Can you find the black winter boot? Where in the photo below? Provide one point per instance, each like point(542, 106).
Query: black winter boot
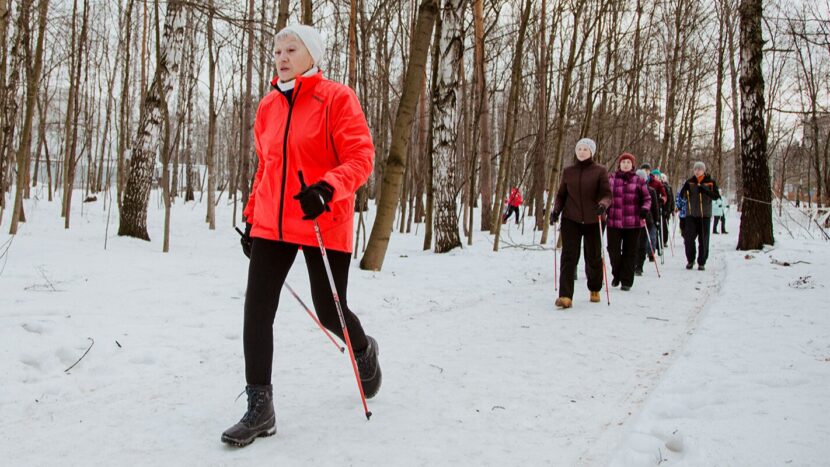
point(258, 421)
point(369, 368)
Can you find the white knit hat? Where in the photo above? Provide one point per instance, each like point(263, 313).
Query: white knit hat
point(311, 39)
point(589, 143)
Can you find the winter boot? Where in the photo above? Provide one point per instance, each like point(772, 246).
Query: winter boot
point(701, 267)
point(563, 302)
point(625, 288)
point(369, 368)
point(615, 282)
point(689, 265)
point(594, 297)
point(258, 421)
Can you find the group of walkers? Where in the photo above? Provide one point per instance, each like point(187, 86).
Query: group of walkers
point(315, 150)
point(635, 208)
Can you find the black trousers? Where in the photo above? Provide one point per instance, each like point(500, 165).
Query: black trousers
point(622, 251)
point(696, 230)
point(722, 220)
point(511, 210)
point(269, 266)
point(573, 234)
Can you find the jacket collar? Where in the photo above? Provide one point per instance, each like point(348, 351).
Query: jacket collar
point(306, 82)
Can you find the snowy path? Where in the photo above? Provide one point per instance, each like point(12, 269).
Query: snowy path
point(750, 388)
point(479, 367)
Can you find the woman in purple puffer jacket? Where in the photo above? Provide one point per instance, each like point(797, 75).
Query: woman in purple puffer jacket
point(626, 218)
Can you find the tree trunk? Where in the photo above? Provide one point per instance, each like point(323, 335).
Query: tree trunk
point(307, 12)
point(756, 216)
point(32, 80)
point(509, 128)
point(133, 217)
point(70, 159)
point(444, 126)
point(396, 162)
point(540, 149)
point(482, 119)
point(561, 117)
point(210, 157)
point(736, 116)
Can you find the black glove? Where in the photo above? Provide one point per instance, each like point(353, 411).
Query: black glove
point(314, 199)
point(601, 209)
point(246, 240)
point(643, 213)
point(554, 218)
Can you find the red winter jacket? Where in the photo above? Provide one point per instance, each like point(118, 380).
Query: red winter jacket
point(324, 134)
point(515, 198)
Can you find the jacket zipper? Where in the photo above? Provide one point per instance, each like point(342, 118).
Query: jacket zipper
point(285, 154)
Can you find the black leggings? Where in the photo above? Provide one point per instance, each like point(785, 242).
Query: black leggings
point(270, 263)
point(511, 210)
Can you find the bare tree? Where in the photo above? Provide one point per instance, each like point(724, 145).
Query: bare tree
point(397, 160)
point(133, 221)
point(756, 216)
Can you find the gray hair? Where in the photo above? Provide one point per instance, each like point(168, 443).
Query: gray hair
point(699, 165)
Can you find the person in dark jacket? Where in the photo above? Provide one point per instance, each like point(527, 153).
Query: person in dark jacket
point(582, 198)
point(699, 191)
point(668, 205)
point(648, 241)
point(307, 129)
point(626, 218)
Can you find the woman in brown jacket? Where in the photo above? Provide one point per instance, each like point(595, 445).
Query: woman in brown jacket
point(583, 197)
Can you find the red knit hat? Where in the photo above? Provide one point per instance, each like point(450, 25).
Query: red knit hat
point(629, 156)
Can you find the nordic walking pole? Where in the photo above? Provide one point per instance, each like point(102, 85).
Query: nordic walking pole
point(319, 324)
point(651, 248)
point(555, 268)
point(673, 230)
point(660, 240)
point(338, 306)
point(307, 310)
point(671, 237)
point(602, 256)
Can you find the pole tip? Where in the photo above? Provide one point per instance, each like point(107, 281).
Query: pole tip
point(368, 415)
point(342, 350)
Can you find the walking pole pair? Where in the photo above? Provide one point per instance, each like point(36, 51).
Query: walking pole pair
point(338, 306)
point(602, 255)
point(651, 248)
point(307, 310)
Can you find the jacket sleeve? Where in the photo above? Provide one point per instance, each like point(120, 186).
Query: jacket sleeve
point(352, 144)
point(645, 197)
point(604, 190)
point(714, 192)
point(248, 212)
point(561, 195)
point(683, 191)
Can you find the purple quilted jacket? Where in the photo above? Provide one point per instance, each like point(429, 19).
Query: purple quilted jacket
point(630, 194)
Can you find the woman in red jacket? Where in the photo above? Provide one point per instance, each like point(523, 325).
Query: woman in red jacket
point(312, 128)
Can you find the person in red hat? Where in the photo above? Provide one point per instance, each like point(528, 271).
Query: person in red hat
point(626, 219)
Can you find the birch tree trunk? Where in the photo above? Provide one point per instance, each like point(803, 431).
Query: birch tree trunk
point(444, 126)
point(133, 217)
point(393, 176)
point(756, 215)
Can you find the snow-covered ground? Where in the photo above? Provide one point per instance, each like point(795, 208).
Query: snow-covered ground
point(724, 367)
